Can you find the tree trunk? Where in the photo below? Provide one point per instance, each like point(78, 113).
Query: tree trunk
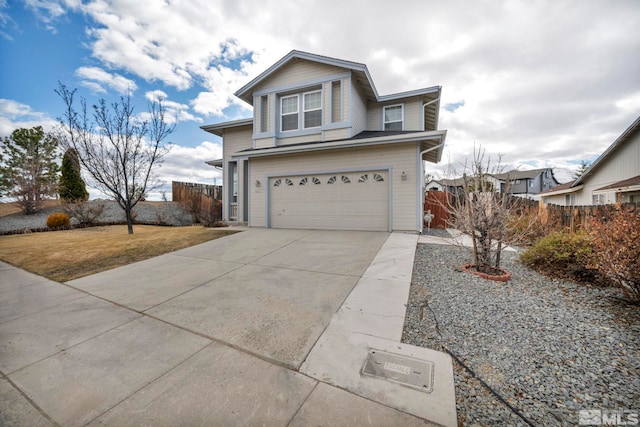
point(127, 211)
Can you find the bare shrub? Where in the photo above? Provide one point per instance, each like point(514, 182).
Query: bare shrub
point(616, 246)
point(84, 211)
point(488, 217)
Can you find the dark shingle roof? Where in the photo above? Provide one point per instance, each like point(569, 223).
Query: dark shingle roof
point(624, 183)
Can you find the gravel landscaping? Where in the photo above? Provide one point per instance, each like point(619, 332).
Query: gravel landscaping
point(548, 348)
point(160, 213)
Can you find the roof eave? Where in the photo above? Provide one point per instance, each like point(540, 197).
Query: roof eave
point(412, 137)
point(624, 189)
point(560, 192)
point(218, 128)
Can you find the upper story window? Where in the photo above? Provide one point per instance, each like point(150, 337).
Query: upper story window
point(312, 109)
point(289, 112)
point(310, 103)
point(393, 117)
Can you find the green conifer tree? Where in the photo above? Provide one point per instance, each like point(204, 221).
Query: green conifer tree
point(72, 187)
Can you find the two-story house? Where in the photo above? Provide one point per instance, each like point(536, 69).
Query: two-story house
point(325, 151)
point(527, 183)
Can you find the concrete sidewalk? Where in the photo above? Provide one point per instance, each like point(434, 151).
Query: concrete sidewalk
point(268, 327)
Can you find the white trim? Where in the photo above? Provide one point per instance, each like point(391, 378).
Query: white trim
point(349, 143)
point(384, 122)
point(419, 184)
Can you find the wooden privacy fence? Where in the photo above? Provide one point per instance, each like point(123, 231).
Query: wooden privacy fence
point(180, 191)
point(437, 202)
point(203, 201)
point(577, 217)
point(570, 217)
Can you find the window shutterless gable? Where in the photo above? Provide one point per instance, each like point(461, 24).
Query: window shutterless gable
point(289, 113)
point(393, 117)
point(312, 109)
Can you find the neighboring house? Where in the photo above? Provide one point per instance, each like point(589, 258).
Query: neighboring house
point(613, 177)
point(435, 185)
point(527, 183)
point(522, 183)
point(325, 151)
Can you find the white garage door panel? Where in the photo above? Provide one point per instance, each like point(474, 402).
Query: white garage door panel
point(340, 201)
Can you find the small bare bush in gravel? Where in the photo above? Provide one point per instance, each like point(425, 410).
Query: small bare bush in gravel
point(84, 211)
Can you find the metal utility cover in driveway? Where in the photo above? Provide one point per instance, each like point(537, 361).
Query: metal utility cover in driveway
point(414, 373)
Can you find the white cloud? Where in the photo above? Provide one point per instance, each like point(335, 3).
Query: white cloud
point(47, 11)
point(175, 111)
point(539, 80)
point(96, 79)
point(187, 164)
point(15, 115)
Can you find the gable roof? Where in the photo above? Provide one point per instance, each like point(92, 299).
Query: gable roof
point(361, 75)
point(560, 189)
point(517, 174)
point(621, 140)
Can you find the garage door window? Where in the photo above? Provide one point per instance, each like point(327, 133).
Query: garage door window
point(377, 177)
point(304, 181)
point(346, 180)
point(364, 178)
point(288, 181)
point(331, 180)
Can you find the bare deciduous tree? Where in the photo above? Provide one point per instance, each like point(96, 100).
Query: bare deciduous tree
point(487, 216)
point(118, 149)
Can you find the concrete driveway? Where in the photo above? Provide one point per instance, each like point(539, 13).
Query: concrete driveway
point(215, 334)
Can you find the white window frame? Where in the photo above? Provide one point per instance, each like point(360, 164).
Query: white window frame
point(297, 112)
point(384, 122)
point(304, 124)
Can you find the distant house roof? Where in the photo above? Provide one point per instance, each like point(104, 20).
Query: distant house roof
point(560, 189)
point(518, 174)
point(624, 137)
point(456, 182)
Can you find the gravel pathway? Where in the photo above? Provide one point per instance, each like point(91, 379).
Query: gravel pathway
point(164, 213)
point(547, 347)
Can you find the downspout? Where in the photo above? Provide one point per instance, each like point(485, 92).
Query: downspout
point(422, 188)
point(423, 110)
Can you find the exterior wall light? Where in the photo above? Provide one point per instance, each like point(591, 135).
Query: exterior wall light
point(257, 183)
point(403, 176)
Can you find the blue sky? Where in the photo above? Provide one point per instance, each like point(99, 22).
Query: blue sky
point(545, 83)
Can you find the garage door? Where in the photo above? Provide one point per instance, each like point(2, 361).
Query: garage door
point(339, 201)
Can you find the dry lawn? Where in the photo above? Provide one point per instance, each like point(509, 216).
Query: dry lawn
point(70, 254)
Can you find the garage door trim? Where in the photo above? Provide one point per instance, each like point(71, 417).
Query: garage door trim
point(388, 169)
